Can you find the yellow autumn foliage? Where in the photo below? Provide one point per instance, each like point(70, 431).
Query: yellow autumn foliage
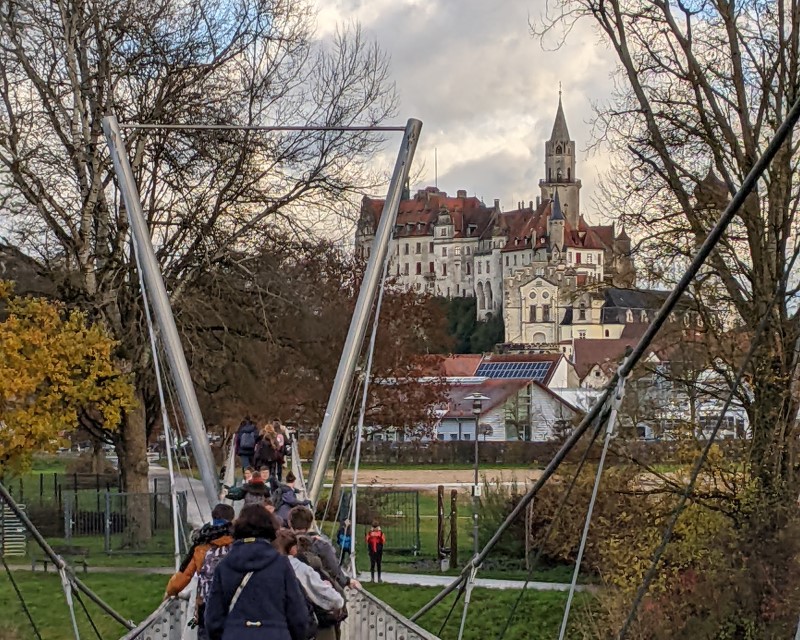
point(53, 364)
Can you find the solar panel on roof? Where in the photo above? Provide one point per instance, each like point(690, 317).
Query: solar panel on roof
point(514, 370)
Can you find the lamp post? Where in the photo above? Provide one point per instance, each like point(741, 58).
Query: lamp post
point(477, 406)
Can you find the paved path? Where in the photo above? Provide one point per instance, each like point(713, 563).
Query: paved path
point(427, 580)
point(195, 494)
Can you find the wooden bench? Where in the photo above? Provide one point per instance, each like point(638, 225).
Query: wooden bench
point(76, 556)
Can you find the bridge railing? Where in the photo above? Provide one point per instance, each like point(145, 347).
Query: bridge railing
point(371, 619)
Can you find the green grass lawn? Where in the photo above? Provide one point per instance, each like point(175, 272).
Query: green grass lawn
point(133, 596)
point(538, 616)
point(136, 596)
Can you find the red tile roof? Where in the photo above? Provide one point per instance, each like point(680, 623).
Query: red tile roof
point(587, 353)
point(498, 391)
point(452, 366)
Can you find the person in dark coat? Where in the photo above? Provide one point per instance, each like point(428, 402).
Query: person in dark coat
point(285, 497)
point(245, 442)
point(271, 605)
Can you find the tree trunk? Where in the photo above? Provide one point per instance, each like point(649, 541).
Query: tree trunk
point(133, 466)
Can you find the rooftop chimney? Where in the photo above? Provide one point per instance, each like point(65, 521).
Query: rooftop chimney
point(461, 193)
point(530, 204)
point(497, 204)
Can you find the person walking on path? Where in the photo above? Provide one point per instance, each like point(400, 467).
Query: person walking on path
point(325, 601)
point(254, 492)
point(300, 521)
point(344, 538)
point(375, 542)
point(245, 442)
point(266, 453)
point(213, 535)
point(284, 497)
point(255, 594)
point(282, 446)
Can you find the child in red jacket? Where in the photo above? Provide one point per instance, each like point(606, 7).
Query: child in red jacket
point(375, 542)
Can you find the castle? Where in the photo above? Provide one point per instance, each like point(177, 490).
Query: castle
point(554, 277)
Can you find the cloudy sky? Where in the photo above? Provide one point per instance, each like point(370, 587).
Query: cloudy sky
point(485, 89)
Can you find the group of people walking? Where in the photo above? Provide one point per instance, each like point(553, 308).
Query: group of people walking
point(267, 446)
point(258, 579)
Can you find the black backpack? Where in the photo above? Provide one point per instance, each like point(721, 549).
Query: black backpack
point(325, 619)
point(247, 441)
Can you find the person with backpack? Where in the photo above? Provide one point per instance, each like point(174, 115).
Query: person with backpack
point(300, 520)
point(254, 492)
point(284, 497)
point(266, 453)
point(205, 575)
point(254, 592)
point(325, 602)
point(245, 442)
point(344, 538)
point(212, 535)
point(283, 446)
point(375, 542)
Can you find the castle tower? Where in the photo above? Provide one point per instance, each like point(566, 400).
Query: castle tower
point(559, 167)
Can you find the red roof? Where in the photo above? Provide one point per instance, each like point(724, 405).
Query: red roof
point(587, 353)
point(422, 211)
point(452, 366)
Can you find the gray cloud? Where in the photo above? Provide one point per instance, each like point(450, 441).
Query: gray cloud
point(485, 90)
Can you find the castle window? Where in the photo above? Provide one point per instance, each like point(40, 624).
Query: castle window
point(569, 176)
point(405, 249)
point(480, 264)
point(545, 313)
point(457, 251)
point(469, 250)
point(488, 266)
point(419, 268)
point(405, 269)
point(506, 260)
point(444, 273)
point(443, 233)
point(419, 248)
point(469, 268)
point(532, 313)
point(444, 252)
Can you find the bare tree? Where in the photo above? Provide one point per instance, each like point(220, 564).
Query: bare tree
point(700, 88)
point(65, 64)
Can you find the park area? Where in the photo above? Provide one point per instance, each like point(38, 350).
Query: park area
point(83, 518)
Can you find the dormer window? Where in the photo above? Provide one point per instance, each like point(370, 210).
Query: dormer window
point(471, 229)
point(629, 316)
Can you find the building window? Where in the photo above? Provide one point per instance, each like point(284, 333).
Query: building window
point(430, 247)
point(431, 268)
point(581, 335)
point(582, 312)
point(398, 268)
point(444, 252)
point(419, 248)
point(545, 313)
point(405, 249)
point(607, 333)
point(458, 289)
point(448, 292)
point(589, 258)
point(577, 257)
point(515, 261)
point(443, 233)
point(405, 269)
point(465, 436)
point(479, 267)
point(454, 436)
point(444, 273)
point(600, 259)
point(469, 268)
point(419, 268)
point(469, 251)
point(488, 266)
point(532, 313)
point(506, 260)
point(397, 250)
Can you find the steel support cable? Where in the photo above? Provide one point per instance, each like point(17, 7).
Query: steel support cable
point(57, 560)
point(661, 317)
point(22, 602)
point(452, 608)
point(610, 426)
point(88, 615)
point(362, 412)
point(67, 588)
point(164, 417)
point(690, 486)
point(551, 525)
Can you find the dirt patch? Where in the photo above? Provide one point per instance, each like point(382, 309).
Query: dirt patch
point(434, 477)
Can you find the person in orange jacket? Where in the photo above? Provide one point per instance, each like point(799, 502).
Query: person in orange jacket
point(216, 534)
point(375, 542)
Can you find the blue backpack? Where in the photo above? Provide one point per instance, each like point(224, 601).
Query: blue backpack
point(247, 441)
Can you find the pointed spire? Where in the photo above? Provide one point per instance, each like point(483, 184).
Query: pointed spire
point(555, 211)
point(560, 131)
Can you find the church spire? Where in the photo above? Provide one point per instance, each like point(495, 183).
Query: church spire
point(560, 130)
point(556, 213)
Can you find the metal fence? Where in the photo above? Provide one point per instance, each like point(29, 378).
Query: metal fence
point(127, 522)
point(397, 511)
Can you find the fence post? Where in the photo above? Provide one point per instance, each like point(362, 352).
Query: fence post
point(418, 541)
point(107, 540)
point(453, 528)
point(439, 522)
point(68, 521)
point(75, 483)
